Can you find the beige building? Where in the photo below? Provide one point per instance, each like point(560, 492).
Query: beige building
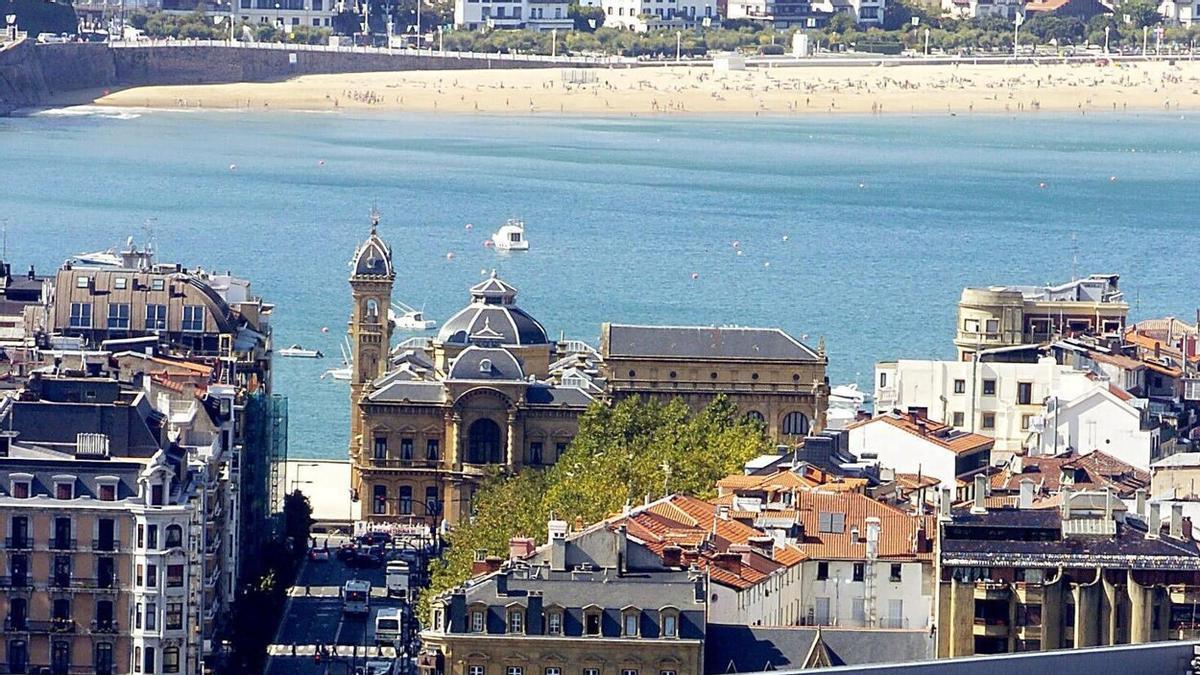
point(1006, 316)
point(768, 374)
point(429, 422)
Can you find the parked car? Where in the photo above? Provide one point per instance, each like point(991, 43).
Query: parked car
point(375, 538)
point(318, 554)
point(346, 551)
point(365, 558)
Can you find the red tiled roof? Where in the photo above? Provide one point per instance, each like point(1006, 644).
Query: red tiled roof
point(943, 435)
point(1094, 471)
point(897, 533)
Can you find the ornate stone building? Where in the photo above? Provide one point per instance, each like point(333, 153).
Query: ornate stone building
point(428, 422)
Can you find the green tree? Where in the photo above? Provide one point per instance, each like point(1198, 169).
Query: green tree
point(297, 519)
point(1141, 13)
point(586, 18)
point(621, 454)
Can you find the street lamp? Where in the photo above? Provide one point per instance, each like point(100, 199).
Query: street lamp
point(1106, 30)
point(678, 44)
point(297, 482)
point(278, 18)
point(1017, 21)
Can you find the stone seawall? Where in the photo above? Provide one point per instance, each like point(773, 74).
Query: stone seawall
point(31, 73)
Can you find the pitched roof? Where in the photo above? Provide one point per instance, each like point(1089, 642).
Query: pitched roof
point(937, 433)
point(897, 529)
point(786, 480)
point(730, 648)
point(1095, 470)
point(703, 342)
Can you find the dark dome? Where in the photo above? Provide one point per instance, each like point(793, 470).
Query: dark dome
point(486, 363)
point(493, 315)
point(373, 258)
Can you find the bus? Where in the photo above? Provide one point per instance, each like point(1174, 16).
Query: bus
point(397, 579)
point(356, 597)
point(388, 625)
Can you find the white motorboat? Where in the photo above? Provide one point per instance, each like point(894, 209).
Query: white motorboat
point(107, 258)
point(298, 352)
point(343, 371)
point(511, 236)
point(408, 319)
point(846, 402)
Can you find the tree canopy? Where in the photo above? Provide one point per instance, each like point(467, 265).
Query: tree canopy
point(623, 453)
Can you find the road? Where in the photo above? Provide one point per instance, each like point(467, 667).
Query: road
point(313, 618)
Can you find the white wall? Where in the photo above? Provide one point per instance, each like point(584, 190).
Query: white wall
point(775, 601)
point(914, 591)
point(1097, 420)
point(903, 451)
point(931, 385)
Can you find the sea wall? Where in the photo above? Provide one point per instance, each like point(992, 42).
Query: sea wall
point(31, 73)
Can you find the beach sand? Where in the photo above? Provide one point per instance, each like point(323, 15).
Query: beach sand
point(682, 90)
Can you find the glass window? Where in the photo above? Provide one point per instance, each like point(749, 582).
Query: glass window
point(591, 622)
point(822, 571)
point(118, 315)
point(1024, 393)
point(171, 660)
point(60, 656)
point(477, 621)
point(152, 537)
point(379, 501)
point(794, 424)
point(859, 571)
point(157, 284)
point(174, 576)
point(631, 623)
point(193, 319)
point(81, 315)
point(895, 575)
point(174, 615)
point(552, 670)
point(406, 502)
point(960, 386)
point(174, 536)
point(989, 421)
point(670, 626)
point(104, 658)
point(989, 387)
point(959, 419)
point(108, 493)
point(971, 325)
point(554, 623)
point(20, 489)
point(431, 449)
point(120, 283)
point(151, 618)
point(137, 652)
point(629, 671)
point(64, 490)
point(148, 662)
point(82, 282)
point(475, 670)
point(156, 497)
point(432, 507)
point(535, 452)
point(381, 447)
point(514, 670)
point(516, 622)
point(406, 449)
point(156, 317)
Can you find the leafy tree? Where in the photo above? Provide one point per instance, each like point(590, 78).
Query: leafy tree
point(297, 519)
point(586, 18)
point(840, 23)
point(624, 453)
point(1141, 13)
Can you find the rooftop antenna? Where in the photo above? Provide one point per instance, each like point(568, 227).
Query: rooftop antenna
point(374, 217)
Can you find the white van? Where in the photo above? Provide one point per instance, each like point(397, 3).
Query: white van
point(388, 625)
point(397, 579)
point(356, 597)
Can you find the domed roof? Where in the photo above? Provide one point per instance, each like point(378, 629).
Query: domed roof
point(373, 258)
point(486, 363)
point(493, 318)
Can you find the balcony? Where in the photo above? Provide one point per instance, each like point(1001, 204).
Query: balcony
point(18, 543)
point(63, 544)
point(991, 590)
point(73, 583)
point(985, 627)
point(1029, 632)
point(1028, 593)
point(1184, 595)
point(22, 581)
point(53, 626)
point(105, 627)
point(106, 545)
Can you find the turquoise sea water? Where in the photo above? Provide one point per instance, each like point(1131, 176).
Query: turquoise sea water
point(886, 218)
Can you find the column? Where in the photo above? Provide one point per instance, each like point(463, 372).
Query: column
point(1052, 613)
point(1139, 611)
point(509, 441)
point(453, 440)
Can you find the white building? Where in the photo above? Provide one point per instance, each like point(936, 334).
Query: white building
point(1100, 416)
point(864, 12)
point(643, 15)
point(1182, 12)
point(997, 399)
point(533, 14)
point(911, 444)
point(971, 9)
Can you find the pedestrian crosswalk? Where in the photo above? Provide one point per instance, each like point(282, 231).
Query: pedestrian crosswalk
point(352, 651)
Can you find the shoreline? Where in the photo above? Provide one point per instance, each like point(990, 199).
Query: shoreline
point(674, 91)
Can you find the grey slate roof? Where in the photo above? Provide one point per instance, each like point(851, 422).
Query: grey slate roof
point(399, 391)
point(44, 467)
point(747, 649)
point(486, 363)
point(132, 429)
point(510, 322)
point(544, 394)
point(703, 342)
point(650, 591)
point(373, 258)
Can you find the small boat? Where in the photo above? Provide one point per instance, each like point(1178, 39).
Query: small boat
point(342, 373)
point(408, 319)
point(108, 258)
point(298, 352)
point(511, 236)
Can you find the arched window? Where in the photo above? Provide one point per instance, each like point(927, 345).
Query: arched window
point(794, 424)
point(372, 308)
point(174, 536)
point(171, 660)
point(755, 416)
point(485, 366)
point(483, 442)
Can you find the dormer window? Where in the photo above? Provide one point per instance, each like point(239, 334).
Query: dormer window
point(21, 486)
point(629, 622)
point(516, 621)
point(591, 621)
point(106, 489)
point(156, 495)
point(81, 282)
point(485, 366)
point(477, 621)
point(669, 620)
point(157, 284)
point(554, 622)
point(120, 283)
point(64, 489)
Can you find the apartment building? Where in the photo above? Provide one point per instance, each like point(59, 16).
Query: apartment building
point(910, 443)
point(596, 603)
point(1087, 573)
point(542, 15)
point(769, 375)
point(1006, 316)
point(119, 530)
point(997, 399)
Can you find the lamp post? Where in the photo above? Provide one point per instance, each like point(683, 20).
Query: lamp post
point(278, 18)
point(1017, 21)
point(297, 481)
point(926, 41)
point(678, 45)
point(553, 42)
point(1107, 29)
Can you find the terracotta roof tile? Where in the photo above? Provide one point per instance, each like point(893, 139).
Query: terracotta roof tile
point(943, 435)
point(898, 529)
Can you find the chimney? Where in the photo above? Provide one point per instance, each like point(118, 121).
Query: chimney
point(1154, 524)
point(872, 537)
point(1177, 521)
point(1157, 350)
point(763, 545)
point(558, 545)
point(1140, 502)
point(723, 512)
point(1187, 529)
point(621, 544)
point(944, 504)
point(1108, 503)
point(672, 555)
point(520, 548)
point(1025, 501)
point(32, 275)
point(1066, 493)
point(980, 506)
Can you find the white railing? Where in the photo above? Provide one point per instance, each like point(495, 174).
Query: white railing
point(383, 51)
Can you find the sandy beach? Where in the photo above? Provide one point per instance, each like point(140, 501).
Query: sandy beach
point(676, 90)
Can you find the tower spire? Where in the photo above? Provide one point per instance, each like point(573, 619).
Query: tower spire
point(374, 218)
